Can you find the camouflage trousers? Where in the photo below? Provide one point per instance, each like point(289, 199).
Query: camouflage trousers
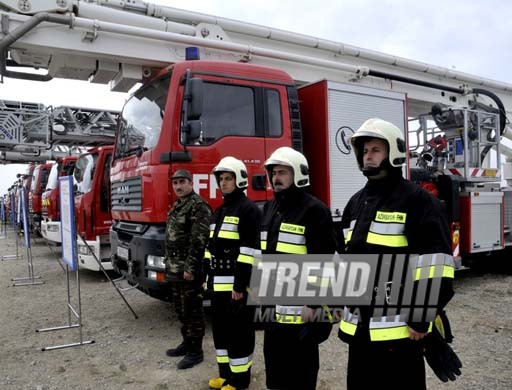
point(188, 303)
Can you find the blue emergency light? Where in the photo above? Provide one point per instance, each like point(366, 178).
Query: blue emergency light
point(192, 53)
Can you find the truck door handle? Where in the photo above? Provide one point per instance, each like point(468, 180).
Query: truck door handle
point(259, 181)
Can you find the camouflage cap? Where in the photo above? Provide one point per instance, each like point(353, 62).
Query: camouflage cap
point(182, 173)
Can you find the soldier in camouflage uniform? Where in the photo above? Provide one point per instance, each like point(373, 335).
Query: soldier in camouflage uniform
point(186, 238)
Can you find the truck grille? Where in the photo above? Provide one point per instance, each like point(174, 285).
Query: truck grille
point(127, 195)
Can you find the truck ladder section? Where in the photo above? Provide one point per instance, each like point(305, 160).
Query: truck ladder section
point(459, 142)
point(34, 132)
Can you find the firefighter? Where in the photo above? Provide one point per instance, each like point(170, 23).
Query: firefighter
point(233, 244)
point(391, 215)
point(294, 222)
point(185, 242)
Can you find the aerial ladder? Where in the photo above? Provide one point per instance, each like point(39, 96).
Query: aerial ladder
point(88, 40)
point(33, 132)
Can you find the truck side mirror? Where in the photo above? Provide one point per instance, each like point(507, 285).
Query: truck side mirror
point(194, 129)
point(194, 98)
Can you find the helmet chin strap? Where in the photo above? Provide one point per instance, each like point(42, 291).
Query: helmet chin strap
point(374, 171)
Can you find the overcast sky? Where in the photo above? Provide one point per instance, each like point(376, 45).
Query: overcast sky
point(470, 36)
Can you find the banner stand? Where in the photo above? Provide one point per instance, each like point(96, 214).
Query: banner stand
point(71, 311)
point(3, 220)
point(17, 255)
point(69, 257)
point(15, 229)
point(118, 289)
point(31, 278)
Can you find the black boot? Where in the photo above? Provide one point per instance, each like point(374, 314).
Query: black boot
point(194, 354)
point(180, 350)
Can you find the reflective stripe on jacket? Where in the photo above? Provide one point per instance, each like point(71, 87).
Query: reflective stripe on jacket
point(295, 222)
point(234, 243)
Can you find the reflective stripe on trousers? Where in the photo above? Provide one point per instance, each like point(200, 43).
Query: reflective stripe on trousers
point(222, 355)
point(239, 365)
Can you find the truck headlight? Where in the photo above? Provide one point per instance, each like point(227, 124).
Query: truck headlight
point(83, 250)
point(156, 261)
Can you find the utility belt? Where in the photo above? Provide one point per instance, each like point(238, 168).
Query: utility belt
point(217, 263)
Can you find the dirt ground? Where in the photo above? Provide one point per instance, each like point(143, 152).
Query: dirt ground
point(129, 353)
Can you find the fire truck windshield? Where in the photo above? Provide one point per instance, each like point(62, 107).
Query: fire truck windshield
point(142, 117)
point(53, 178)
point(84, 171)
point(33, 185)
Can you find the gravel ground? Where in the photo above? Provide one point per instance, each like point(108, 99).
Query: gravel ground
point(129, 353)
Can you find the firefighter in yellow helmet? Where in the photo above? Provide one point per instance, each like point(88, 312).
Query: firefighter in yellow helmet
point(391, 215)
point(233, 244)
point(294, 222)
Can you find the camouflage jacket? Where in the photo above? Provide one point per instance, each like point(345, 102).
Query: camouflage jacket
point(187, 235)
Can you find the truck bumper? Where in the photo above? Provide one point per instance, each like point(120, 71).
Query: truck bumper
point(50, 230)
point(101, 248)
point(131, 244)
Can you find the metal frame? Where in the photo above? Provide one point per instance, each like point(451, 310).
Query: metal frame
point(31, 278)
point(71, 310)
point(113, 282)
point(16, 232)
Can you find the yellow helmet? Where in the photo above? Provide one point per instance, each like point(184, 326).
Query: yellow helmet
point(378, 128)
point(231, 164)
point(291, 158)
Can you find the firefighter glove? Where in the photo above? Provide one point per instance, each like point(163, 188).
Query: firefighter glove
point(441, 358)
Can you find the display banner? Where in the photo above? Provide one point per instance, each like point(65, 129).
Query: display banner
point(67, 221)
point(24, 212)
point(13, 211)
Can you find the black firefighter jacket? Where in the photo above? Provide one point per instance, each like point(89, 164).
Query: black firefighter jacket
point(234, 242)
point(395, 216)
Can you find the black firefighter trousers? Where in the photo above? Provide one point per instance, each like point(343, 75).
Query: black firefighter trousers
point(291, 361)
point(386, 365)
point(233, 337)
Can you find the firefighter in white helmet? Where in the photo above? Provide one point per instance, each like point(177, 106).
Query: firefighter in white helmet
point(233, 244)
point(391, 215)
point(294, 222)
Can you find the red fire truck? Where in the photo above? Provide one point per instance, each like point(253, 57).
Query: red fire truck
point(38, 185)
point(50, 224)
point(92, 207)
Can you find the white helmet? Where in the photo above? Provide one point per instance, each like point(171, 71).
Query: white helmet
point(291, 158)
point(231, 164)
point(378, 128)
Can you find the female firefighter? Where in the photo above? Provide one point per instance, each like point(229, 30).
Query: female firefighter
point(234, 241)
